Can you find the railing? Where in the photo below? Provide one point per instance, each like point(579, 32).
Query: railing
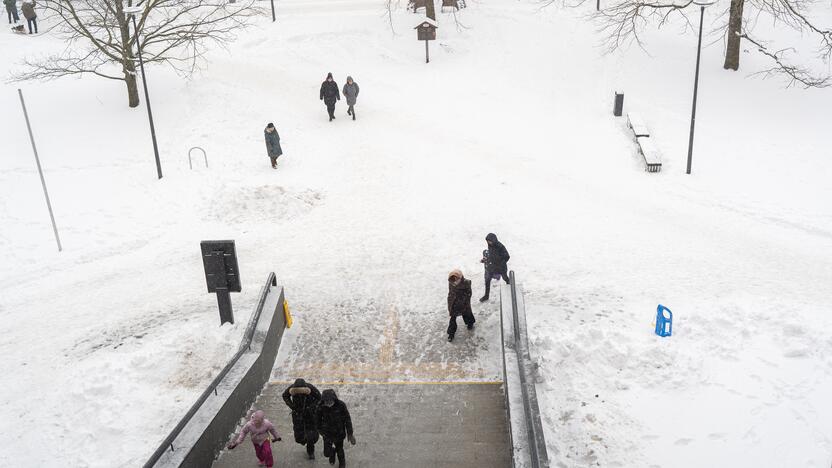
point(212, 388)
point(204, 155)
point(537, 453)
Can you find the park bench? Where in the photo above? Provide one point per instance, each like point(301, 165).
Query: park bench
point(636, 123)
point(651, 154)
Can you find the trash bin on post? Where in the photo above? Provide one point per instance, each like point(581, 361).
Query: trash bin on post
point(618, 107)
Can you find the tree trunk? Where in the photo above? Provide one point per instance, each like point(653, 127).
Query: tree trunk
point(128, 65)
point(732, 53)
point(430, 10)
point(132, 87)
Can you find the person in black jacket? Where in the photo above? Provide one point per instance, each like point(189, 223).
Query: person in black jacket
point(496, 263)
point(330, 94)
point(334, 424)
point(303, 398)
point(459, 302)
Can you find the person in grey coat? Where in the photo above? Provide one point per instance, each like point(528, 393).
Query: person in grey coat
point(11, 9)
point(351, 93)
point(273, 144)
point(28, 9)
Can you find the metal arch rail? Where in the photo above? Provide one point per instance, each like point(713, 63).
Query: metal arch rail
point(537, 443)
point(245, 345)
point(204, 155)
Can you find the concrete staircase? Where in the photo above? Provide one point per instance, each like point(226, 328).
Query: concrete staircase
point(399, 425)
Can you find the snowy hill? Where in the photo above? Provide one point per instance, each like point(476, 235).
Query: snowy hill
point(507, 130)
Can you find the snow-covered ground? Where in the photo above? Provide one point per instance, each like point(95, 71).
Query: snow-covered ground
point(508, 129)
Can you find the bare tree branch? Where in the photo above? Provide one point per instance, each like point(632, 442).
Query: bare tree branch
point(794, 74)
point(101, 40)
point(622, 24)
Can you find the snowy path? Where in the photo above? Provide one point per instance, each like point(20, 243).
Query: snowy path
point(507, 130)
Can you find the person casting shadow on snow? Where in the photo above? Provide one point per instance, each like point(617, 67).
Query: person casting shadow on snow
point(330, 94)
point(496, 262)
point(273, 144)
point(303, 398)
point(11, 9)
point(459, 302)
point(351, 94)
point(334, 424)
point(259, 427)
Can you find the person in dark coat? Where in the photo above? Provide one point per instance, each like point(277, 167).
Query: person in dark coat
point(11, 9)
point(351, 94)
point(334, 423)
point(330, 94)
point(303, 398)
point(459, 302)
point(496, 263)
point(28, 9)
point(273, 144)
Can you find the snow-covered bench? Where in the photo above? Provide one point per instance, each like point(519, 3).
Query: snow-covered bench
point(649, 151)
point(636, 123)
point(651, 154)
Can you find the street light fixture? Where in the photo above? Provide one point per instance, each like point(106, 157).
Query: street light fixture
point(132, 11)
point(702, 6)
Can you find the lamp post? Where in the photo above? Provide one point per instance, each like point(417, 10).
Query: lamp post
point(702, 6)
point(132, 11)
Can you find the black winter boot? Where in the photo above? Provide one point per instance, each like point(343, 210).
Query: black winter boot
point(484, 298)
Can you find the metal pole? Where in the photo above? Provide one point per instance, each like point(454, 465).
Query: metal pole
point(147, 101)
point(274, 18)
point(224, 303)
point(427, 53)
point(597, 5)
point(40, 171)
point(695, 88)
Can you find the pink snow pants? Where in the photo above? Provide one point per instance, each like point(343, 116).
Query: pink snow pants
point(264, 453)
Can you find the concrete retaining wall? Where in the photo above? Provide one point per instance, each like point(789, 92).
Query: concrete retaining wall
point(208, 431)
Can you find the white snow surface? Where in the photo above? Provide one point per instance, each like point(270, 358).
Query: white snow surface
point(509, 130)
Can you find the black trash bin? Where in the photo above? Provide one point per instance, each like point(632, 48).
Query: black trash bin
point(618, 107)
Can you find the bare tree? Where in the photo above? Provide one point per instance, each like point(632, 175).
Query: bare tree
point(622, 22)
point(390, 6)
point(99, 39)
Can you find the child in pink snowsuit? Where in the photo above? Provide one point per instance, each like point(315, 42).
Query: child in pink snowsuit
point(259, 427)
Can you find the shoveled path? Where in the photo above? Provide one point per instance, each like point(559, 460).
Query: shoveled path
point(402, 425)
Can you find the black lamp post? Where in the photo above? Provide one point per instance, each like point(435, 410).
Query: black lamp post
point(132, 12)
point(702, 6)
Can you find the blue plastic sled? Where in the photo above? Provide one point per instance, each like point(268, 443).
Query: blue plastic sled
point(664, 323)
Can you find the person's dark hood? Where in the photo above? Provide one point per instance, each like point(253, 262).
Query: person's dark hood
point(329, 75)
point(299, 383)
point(328, 395)
point(491, 238)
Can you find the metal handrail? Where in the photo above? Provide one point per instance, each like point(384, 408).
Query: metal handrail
point(204, 155)
point(537, 445)
point(245, 345)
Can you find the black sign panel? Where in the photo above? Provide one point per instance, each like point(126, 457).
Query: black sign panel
point(220, 261)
